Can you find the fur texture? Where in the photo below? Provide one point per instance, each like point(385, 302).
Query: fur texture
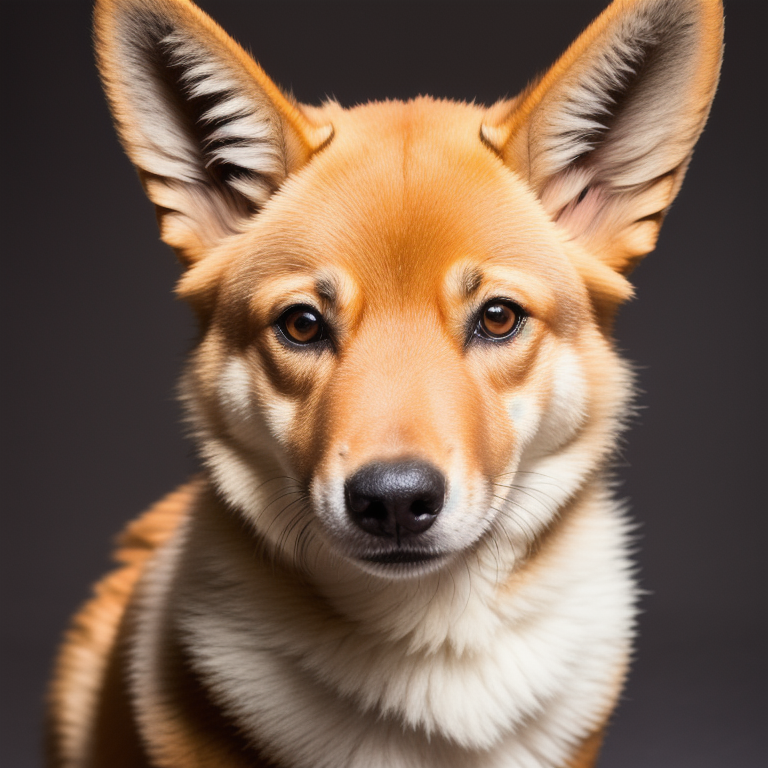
point(254, 621)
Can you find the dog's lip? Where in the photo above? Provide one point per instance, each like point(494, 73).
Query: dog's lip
point(398, 556)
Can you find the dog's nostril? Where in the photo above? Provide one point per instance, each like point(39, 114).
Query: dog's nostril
point(423, 507)
point(395, 498)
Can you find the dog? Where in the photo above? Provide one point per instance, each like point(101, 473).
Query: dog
point(403, 550)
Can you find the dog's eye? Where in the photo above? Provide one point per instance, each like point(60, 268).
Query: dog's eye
point(302, 325)
point(499, 319)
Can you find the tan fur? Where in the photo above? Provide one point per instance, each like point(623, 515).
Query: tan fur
point(250, 620)
point(587, 754)
point(82, 681)
point(92, 667)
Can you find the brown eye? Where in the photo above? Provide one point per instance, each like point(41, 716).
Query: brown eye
point(499, 319)
point(301, 325)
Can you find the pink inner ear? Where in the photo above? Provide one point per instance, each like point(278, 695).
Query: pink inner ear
point(582, 212)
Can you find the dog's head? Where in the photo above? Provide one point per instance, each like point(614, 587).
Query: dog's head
point(406, 307)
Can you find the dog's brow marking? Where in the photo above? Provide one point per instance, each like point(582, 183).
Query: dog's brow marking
point(326, 288)
point(471, 280)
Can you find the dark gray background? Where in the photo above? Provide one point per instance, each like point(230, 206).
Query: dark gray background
point(94, 340)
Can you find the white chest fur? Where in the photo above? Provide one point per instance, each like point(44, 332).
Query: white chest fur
point(464, 668)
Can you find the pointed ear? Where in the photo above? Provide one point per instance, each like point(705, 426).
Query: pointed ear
point(210, 134)
point(604, 138)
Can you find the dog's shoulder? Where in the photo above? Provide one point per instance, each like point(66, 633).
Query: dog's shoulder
point(154, 527)
point(84, 661)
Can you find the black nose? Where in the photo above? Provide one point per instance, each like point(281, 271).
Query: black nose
point(395, 499)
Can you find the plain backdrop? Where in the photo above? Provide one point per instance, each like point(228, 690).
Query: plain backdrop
point(93, 342)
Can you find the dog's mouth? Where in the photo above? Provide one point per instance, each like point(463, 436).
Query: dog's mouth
point(400, 556)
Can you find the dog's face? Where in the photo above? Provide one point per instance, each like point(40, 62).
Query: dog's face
point(403, 350)
point(405, 306)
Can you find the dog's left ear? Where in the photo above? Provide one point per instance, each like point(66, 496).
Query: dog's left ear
point(604, 138)
point(211, 136)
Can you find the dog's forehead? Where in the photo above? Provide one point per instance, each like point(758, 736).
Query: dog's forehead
point(406, 197)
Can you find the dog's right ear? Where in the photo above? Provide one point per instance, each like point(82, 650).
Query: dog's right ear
point(210, 134)
point(605, 136)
